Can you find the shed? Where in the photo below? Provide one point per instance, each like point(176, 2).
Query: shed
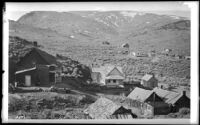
point(149, 81)
point(104, 108)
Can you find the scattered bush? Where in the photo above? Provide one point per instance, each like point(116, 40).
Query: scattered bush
point(184, 111)
point(87, 100)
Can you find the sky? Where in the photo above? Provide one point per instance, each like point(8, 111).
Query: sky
point(15, 10)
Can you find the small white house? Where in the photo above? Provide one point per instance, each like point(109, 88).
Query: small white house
point(108, 75)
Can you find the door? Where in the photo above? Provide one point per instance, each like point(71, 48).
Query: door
point(52, 77)
point(27, 80)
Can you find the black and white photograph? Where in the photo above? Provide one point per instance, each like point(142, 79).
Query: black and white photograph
point(89, 62)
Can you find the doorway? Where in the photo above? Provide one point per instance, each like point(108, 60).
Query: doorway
point(27, 80)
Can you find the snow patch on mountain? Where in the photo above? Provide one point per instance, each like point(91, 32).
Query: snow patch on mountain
point(175, 17)
point(130, 14)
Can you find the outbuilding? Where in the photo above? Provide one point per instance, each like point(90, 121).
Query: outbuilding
point(149, 81)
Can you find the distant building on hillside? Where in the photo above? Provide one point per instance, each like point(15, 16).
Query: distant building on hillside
point(150, 97)
point(175, 100)
point(149, 81)
point(104, 108)
point(187, 57)
point(108, 75)
point(125, 45)
point(37, 68)
point(152, 53)
point(179, 56)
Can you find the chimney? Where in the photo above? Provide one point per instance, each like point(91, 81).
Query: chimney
point(35, 44)
point(184, 93)
point(161, 86)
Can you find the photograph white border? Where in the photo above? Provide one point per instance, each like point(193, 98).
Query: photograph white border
point(194, 6)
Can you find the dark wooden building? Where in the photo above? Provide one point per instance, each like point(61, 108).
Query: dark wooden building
point(36, 68)
point(151, 98)
point(175, 100)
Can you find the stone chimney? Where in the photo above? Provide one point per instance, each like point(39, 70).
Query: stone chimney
point(35, 44)
point(184, 93)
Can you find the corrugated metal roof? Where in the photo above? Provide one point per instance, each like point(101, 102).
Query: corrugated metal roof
point(169, 96)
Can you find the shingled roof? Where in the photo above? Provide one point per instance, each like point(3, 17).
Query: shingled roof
point(47, 57)
point(103, 108)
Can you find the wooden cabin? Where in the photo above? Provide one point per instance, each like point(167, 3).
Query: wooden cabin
point(36, 68)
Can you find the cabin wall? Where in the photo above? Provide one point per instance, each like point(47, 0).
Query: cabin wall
point(12, 70)
point(43, 74)
point(142, 108)
point(183, 102)
point(150, 84)
point(95, 77)
point(39, 76)
point(113, 82)
point(20, 78)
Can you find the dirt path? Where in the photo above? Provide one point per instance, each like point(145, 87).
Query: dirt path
point(85, 93)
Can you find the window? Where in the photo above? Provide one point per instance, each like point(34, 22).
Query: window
point(108, 81)
point(114, 81)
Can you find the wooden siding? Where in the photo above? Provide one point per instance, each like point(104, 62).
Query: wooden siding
point(39, 76)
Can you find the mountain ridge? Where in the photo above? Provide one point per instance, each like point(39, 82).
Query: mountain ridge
point(142, 31)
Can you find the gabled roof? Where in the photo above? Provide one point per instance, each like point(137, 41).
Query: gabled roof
point(169, 96)
point(102, 108)
point(47, 57)
point(140, 94)
point(147, 77)
point(114, 77)
point(105, 70)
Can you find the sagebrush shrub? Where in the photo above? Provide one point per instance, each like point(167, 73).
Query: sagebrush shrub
point(184, 111)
